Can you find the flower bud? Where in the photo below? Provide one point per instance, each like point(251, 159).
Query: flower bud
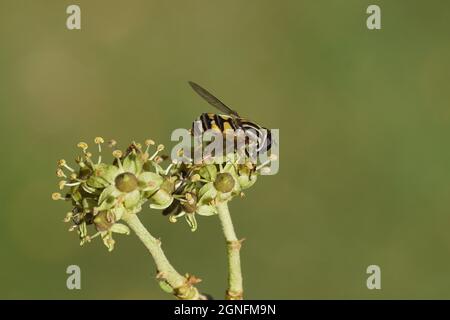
point(224, 182)
point(126, 182)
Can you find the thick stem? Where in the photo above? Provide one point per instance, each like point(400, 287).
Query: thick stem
point(235, 290)
point(183, 287)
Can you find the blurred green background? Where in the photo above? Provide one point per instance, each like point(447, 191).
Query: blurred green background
point(364, 122)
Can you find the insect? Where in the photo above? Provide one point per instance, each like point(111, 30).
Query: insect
point(228, 121)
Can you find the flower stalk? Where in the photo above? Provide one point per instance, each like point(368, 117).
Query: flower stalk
point(235, 289)
point(182, 287)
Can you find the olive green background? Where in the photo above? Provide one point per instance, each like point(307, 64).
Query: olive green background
point(364, 122)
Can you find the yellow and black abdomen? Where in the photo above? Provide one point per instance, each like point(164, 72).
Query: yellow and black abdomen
point(223, 123)
point(213, 121)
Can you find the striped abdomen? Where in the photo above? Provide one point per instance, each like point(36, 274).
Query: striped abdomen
point(222, 123)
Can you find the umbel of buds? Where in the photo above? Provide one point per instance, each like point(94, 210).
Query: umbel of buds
point(202, 186)
point(101, 193)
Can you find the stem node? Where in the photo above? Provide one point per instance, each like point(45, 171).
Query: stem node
point(231, 295)
point(235, 288)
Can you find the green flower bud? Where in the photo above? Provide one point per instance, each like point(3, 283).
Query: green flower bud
point(224, 182)
point(126, 182)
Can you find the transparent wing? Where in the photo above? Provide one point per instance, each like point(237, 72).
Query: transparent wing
point(212, 100)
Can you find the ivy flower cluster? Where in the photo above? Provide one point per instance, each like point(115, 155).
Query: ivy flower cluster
point(202, 186)
point(102, 193)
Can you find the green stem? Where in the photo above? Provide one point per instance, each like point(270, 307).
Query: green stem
point(182, 287)
point(235, 289)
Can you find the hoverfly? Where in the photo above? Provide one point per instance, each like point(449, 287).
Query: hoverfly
point(228, 120)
